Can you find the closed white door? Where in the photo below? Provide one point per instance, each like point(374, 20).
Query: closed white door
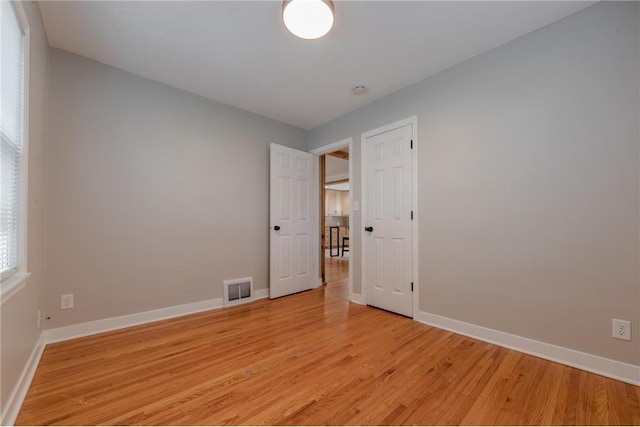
point(388, 270)
point(292, 215)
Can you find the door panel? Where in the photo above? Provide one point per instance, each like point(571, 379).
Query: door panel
point(389, 196)
point(292, 204)
point(303, 255)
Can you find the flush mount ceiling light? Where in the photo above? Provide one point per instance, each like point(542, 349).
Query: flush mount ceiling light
point(308, 19)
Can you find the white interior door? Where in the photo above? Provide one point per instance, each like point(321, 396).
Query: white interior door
point(292, 214)
point(388, 236)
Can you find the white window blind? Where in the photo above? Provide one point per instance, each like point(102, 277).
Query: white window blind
point(11, 136)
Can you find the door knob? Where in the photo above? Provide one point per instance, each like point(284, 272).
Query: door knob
point(277, 227)
point(369, 229)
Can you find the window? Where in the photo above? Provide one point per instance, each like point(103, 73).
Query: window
point(12, 136)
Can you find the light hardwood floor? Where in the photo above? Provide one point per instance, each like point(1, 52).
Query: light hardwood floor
point(311, 358)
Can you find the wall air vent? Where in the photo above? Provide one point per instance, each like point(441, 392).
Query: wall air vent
point(238, 291)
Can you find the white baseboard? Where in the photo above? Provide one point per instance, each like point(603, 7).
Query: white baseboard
point(120, 322)
point(12, 409)
point(113, 323)
point(357, 298)
point(577, 359)
point(260, 294)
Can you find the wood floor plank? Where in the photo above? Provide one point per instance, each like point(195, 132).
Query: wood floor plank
point(633, 395)
point(311, 359)
point(549, 387)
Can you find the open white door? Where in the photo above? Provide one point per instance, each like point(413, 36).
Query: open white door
point(293, 211)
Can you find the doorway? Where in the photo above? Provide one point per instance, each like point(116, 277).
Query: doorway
point(336, 217)
point(335, 233)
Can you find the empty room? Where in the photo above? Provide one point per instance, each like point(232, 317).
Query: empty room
point(315, 212)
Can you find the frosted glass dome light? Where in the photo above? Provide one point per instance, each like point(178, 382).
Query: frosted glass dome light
point(308, 19)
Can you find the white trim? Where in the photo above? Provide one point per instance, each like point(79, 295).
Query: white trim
point(357, 298)
point(14, 403)
point(413, 121)
point(416, 220)
point(334, 146)
point(12, 286)
point(260, 294)
point(588, 362)
point(317, 257)
point(352, 230)
point(329, 148)
point(24, 170)
point(315, 217)
point(113, 323)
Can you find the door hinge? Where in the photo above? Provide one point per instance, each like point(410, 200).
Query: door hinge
point(411, 215)
point(412, 144)
point(411, 286)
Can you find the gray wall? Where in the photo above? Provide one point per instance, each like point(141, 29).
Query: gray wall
point(528, 182)
point(19, 331)
point(155, 195)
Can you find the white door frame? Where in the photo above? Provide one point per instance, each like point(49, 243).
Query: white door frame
point(317, 152)
point(363, 184)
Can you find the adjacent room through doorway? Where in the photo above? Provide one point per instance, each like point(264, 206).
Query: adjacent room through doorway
point(336, 211)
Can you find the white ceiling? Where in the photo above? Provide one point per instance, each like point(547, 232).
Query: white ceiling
point(239, 53)
point(336, 169)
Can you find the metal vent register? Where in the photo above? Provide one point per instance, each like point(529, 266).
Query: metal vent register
point(238, 291)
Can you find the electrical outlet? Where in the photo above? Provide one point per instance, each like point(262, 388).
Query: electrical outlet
point(66, 301)
point(621, 329)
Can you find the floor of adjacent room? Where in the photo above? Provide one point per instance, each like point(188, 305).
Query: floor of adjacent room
point(311, 358)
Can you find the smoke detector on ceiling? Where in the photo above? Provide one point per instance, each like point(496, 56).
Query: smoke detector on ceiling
point(359, 90)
